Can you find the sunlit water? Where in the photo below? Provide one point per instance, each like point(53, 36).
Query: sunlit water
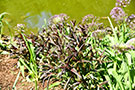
point(33, 12)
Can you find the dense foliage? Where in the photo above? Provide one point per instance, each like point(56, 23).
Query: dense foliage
point(83, 56)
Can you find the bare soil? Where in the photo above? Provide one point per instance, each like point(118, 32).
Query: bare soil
point(9, 72)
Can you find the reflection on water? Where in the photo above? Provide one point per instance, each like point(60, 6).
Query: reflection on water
point(33, 12)
point(36, 20)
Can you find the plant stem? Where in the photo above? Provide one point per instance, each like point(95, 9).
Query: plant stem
point(115, 34)
point(35, 85)
point(130, 81)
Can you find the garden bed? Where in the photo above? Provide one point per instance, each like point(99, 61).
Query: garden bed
point(72, 56)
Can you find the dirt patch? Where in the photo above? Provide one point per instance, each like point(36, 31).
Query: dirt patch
point(9, 72)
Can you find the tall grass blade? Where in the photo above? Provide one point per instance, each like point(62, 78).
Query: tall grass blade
point(114, 30)
point(16, 81)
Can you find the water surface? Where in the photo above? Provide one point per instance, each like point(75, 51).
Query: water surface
point(33, 12)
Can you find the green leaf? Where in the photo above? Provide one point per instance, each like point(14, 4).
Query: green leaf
point(132, 73)
point(22, 61)
point(53, 85)
point(117, 77)
point(5, 53)
point(2, 15)
point(124, 67)
point(16, 81)
point(129, 59)
point(21, 68)
point(109, 82)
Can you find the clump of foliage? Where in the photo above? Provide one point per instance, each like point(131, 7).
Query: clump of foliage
point(63, 50)
point(68, 50)
point(5, 41)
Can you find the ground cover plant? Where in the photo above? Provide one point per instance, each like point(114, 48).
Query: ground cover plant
point(79, 56)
